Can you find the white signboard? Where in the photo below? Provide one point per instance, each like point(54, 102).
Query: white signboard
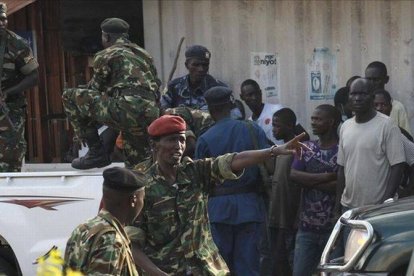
point(265, 69)
point(322, 80)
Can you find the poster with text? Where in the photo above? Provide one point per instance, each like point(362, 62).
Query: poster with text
point(265, 69)
point(322, 79)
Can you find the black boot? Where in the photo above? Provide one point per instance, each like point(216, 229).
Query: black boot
point(96, 157)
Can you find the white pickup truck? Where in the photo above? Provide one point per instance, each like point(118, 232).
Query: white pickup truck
point(39, 208)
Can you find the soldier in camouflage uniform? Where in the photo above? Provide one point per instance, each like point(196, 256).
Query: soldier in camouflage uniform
point(100, 246)
point(121, 95)
point(174, 232)
point(19, 73)
point(198, 121)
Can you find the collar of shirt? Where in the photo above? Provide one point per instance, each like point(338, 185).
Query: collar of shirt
point(122, 40)
point(198, 91)
point(181, 180)
point(222, 121)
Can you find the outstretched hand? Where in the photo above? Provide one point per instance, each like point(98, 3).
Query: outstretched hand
point(294, 146)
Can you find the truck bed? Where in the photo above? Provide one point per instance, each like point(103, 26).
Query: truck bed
point(42, 205)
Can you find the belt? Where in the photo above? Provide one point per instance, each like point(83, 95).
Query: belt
point(220, 190)
point(136, 91)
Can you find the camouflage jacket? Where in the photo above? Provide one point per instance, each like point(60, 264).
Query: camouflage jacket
point(100, 246)
point(124, 65)
point(144, 166)
point(180, 94)
point(174, 231)
point(197, 121)
point(18, 62)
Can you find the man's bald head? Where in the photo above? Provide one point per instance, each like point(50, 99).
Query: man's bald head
point(362, 83)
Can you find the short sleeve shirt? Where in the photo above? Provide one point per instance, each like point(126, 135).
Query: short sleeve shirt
point(367, 151)
point(265, 121)
point(399, 115)
point(316, 209)
point(18, 61)
point(180, 94)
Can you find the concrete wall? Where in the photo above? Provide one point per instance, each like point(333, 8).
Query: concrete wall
point(357, 32)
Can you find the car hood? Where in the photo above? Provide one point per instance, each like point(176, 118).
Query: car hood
point(400, 206)
point(394, 219)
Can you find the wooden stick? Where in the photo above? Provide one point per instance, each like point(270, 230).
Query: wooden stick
point(174, 67)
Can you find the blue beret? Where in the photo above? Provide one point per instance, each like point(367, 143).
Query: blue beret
point(114, 26)
point(197, 51)
point(218, 95)
point(122, 179)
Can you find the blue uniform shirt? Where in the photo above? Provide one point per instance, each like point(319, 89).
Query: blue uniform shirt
point(180, 94)
point(226, 136)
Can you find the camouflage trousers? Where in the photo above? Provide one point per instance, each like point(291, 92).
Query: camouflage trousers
point(12, 143)
point(130, 114)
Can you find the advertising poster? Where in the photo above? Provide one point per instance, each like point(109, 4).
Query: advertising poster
point(265, 69)
point(322, 80)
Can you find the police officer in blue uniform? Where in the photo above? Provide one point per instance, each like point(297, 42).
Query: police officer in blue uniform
point(235, 208)
point(189, 90)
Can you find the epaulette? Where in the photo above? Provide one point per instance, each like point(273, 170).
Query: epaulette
point(16, 41)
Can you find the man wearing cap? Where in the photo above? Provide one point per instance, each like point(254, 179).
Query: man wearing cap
point(198, 121)
point(18, 72)
point(235, 208)
point(100, 246)
point(189, 89)
point(121, 95)
point(174, 233)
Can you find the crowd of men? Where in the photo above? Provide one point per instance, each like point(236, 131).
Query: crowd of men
point(204, 191)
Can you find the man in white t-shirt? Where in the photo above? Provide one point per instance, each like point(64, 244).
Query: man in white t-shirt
point(251, 94)
point(371, 155)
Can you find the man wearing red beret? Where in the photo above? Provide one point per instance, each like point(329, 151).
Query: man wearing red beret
point(173, 237)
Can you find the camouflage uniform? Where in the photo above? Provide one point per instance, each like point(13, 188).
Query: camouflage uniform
point(100, 247)
point(121, 95)
point(198, 121)
point(144, 166)
point(18, 62)
point(180, 94)
point(174, 231)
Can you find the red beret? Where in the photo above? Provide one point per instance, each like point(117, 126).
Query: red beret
point(166, 124)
